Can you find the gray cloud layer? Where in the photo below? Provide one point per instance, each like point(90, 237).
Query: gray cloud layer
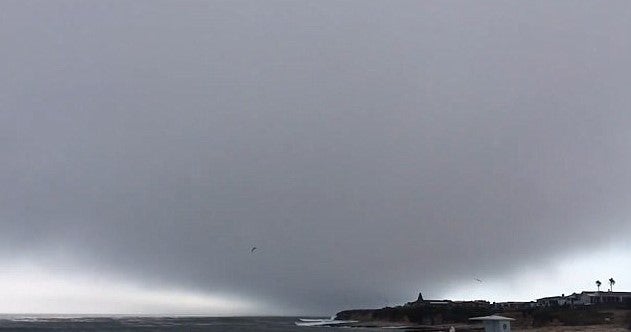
point(367, 148)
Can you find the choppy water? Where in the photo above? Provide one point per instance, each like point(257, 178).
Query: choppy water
point(128, 323)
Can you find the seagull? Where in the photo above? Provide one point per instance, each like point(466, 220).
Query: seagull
point(478, 280)
point(253, 249)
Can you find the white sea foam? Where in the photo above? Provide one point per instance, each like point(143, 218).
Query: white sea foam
point(322, 322)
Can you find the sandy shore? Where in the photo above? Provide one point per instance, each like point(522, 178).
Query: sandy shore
point(592, 328)
point(477, 327)
point(465, 327)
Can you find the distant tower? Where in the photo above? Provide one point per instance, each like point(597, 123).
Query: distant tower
point(420, 297)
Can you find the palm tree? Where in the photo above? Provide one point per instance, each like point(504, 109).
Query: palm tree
point(611, 283)
point(598, 283)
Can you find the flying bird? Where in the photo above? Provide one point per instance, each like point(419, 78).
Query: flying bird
point(253, 249)
point(478, 280)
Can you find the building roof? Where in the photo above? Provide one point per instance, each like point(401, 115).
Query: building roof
point(551, 298)
point(492, 317)
point(601, 293)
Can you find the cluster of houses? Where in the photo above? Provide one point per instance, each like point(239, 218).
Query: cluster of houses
point(585, 298)
point(495, 323)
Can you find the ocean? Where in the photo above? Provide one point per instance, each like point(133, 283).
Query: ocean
point(130, 323)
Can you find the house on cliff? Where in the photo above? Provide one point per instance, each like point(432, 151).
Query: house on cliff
point(591, 298)
point(586, 298)
point(550, 301)
point(513, 305)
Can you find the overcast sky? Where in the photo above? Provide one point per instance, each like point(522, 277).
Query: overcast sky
point(369, 149)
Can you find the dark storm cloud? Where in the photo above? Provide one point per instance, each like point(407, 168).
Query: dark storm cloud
point(368, 149)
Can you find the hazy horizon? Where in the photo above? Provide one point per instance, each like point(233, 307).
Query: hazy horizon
point(370, 150)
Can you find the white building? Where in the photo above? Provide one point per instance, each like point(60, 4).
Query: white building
point(590, 298)
point(494, 323)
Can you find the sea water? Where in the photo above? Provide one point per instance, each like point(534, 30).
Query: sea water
point(131, 323)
